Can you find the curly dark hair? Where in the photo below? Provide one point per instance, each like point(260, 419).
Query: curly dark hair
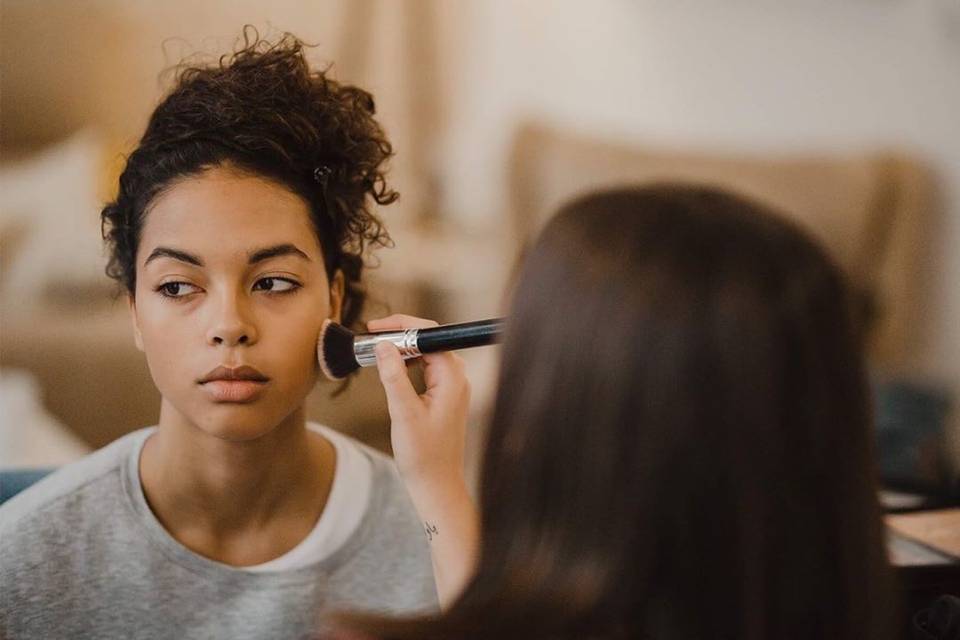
point(262, 110)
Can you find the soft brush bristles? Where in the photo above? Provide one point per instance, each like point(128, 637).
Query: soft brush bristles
point(335, 351)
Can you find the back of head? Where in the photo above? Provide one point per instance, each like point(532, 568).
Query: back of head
point(681, 445)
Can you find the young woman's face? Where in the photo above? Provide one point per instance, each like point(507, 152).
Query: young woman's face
point(230, 273)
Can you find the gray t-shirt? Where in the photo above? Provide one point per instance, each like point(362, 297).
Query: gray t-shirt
point(82, 556)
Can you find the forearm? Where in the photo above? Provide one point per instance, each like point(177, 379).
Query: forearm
point(452, 525)
point(428, 433)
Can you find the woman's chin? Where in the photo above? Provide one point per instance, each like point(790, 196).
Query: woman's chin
point(238, 422)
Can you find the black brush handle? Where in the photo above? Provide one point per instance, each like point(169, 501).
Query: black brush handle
point(449, 337)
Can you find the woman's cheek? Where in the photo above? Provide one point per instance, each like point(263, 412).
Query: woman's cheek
point(170, 346)
point(303, 328)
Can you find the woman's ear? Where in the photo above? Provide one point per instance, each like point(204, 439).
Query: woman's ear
point(137, 336)
point(337, 289)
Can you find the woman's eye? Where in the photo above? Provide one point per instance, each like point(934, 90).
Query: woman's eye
point(276, 285)
point(174, 289)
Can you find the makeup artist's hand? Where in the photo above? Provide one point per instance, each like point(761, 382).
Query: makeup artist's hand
point(428, 432)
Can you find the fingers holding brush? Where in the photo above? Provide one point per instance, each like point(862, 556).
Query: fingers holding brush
point(340, 351)
point(400, 321)
point(428, 431)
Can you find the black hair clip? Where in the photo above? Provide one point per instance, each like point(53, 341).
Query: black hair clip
point(321, 173)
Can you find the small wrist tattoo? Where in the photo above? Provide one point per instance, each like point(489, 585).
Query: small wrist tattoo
point(431, 530)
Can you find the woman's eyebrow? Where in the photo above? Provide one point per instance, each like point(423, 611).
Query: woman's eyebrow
point(255, 256)
point(278, 250)
point(176, 254)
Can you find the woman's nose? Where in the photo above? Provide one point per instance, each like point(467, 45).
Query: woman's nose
point(229, 337)
point(231, 326)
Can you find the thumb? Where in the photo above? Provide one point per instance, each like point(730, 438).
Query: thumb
point(402, 399)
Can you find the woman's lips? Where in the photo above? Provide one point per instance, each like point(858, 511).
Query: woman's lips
point(234, 390)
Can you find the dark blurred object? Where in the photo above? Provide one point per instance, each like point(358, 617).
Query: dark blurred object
point(940, 621)
point(14, 481)
point(911, 443)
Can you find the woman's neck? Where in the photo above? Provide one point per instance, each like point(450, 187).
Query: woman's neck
point(238, 502)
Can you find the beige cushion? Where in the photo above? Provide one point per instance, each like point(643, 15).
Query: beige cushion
point(867, 209)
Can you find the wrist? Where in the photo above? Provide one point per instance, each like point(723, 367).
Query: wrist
point(438, 477)
point(437, 493)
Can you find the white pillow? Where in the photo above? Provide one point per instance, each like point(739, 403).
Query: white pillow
point(52, 198)
point(29, 435)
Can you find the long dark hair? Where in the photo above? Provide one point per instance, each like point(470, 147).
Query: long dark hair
point(681, 446)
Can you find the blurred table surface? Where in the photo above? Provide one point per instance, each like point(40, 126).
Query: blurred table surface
point(924, 548)
point(938, 531)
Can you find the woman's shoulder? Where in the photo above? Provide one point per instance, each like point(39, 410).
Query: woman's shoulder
point(82, 480)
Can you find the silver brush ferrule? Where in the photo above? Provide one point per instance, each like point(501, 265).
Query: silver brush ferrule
point(365, 343)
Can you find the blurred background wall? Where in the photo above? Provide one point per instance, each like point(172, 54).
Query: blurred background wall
point(741, 76)
point(458, 82)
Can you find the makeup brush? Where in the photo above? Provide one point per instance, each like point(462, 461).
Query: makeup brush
point(341, 351)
